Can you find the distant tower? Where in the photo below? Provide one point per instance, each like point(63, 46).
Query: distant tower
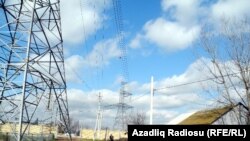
point(98, 123)
point(122, 107)
point(124, 97)
point(32, 73)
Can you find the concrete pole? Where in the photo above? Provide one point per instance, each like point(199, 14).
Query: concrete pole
point(151, 100)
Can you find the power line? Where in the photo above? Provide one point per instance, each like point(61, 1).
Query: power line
point(122, 106)
point(83, 26)
point(79, 77)
point(188, 83)
point(183, 84)
point(198, 81)
point(139, 97)
point(85, 37)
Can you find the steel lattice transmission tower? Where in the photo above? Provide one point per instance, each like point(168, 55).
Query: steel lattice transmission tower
point(122, 107)
point(124, 97)
point(32, 74)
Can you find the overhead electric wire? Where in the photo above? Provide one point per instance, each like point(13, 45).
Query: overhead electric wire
point(139, 97)
point(85, 39)
point(83, 26)
point(79, 77)
point(120, 37)
point(184, 84)
point(198, 81)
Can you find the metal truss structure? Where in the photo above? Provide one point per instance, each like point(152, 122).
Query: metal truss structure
point(32, 74)
point(124, 97)
point(120, 122)
point(122, 107)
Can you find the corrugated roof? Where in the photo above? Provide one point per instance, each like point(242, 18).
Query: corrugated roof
point(206, 117)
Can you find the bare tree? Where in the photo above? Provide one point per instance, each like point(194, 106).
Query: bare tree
point(136, 118)
point(228, 47)
point(74, 126)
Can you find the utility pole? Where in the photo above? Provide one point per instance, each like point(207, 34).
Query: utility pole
point(151, 100)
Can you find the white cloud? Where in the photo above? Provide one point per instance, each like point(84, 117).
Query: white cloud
point(119, 79)
point(103, 52)
point(170, 35)
point(84, 105)
point(173, 99)
point(168, 103)
point(230, 9)
point(101, 55)
point(161, 116)
point(179, 25)
point(73, 67)
point(195, 71)
point(81, 18)
point(180, 117)
point(184, 11)
point(136, 42)
point(90, 97)
point(175, 33)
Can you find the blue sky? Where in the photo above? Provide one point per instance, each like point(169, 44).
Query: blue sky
point(161, 37)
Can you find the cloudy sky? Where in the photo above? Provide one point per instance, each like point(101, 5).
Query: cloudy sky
point(161, 37)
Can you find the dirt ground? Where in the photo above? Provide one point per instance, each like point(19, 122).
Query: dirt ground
point(78, 139)
point(67, 139)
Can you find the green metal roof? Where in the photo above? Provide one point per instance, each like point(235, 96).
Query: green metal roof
point(206, 117)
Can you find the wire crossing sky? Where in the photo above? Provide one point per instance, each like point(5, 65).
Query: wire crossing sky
point(162, 40)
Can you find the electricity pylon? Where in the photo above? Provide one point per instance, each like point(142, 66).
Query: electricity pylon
point(98, 124)
point(32, 73)
point(122, 107)
point(124, 96)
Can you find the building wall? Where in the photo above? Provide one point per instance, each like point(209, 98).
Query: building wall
point(32, 129)
point(89, 134)
point(236, 116)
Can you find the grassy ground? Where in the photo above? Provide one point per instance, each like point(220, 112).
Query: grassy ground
point(10, 137)
point(2, 137)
